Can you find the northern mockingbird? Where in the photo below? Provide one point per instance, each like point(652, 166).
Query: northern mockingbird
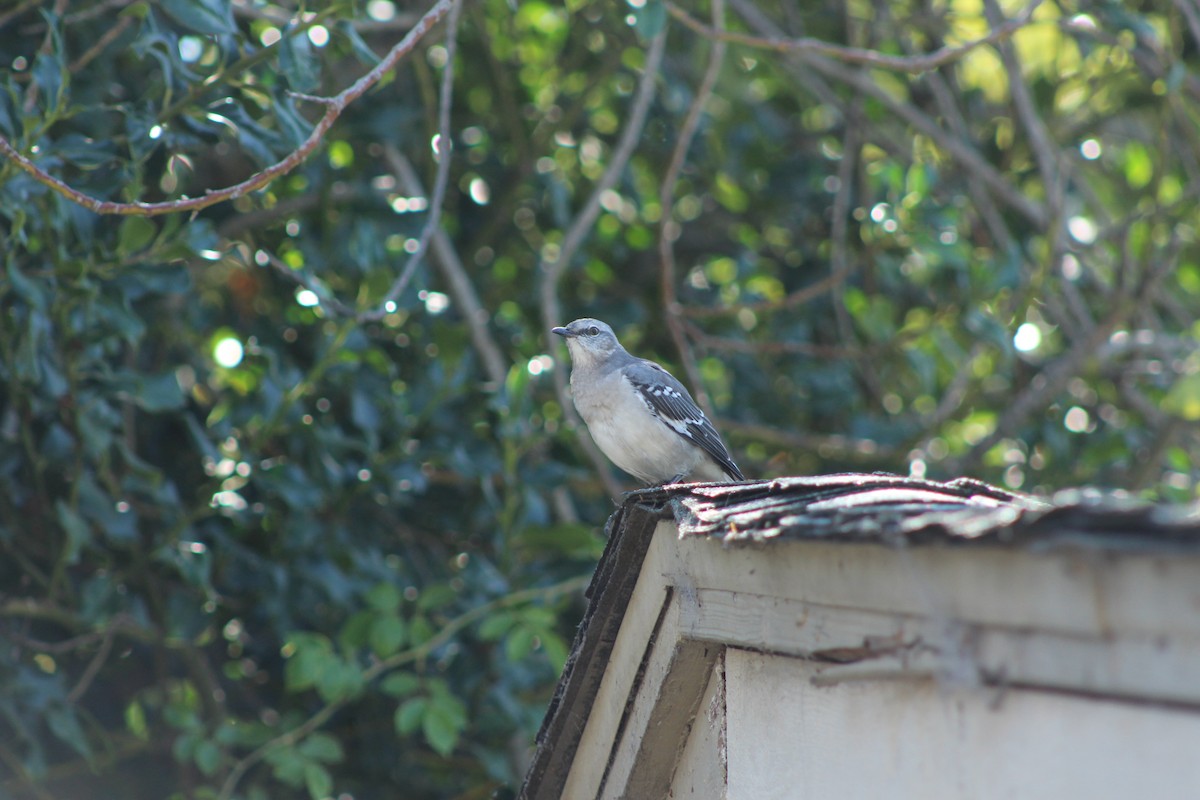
point(639, 414)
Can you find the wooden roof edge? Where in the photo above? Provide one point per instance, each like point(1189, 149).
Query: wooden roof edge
point(629, 531)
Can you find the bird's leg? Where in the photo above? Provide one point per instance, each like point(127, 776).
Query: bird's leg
point(637, 493)
point(650, 493)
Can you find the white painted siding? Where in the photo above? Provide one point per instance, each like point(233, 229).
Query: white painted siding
point(700, 774)
point(789, 739)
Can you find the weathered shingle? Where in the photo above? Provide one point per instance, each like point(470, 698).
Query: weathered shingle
point(893, 509)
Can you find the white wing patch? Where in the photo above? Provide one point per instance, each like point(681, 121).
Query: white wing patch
point(667, 397)
point(671, 404)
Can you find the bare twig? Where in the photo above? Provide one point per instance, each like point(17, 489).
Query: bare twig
point(303, 279)
point(93, 667)
point(963, 152)
point(334, 106)
point(945, 97)
point(495, 364)
point(101, 44)
point(840, 262)
point(20, 9)
point(669, 227)
point(443, 152)
point(282, 19)
point(31, 96)
point(955, 393)
point(1045, 151)
point(855, 55)
point(711, 342)
point(1192, 17)
point(552, 268)
point(1058, 373)
point(861, 81)
point(796, 298)
point(828, 445)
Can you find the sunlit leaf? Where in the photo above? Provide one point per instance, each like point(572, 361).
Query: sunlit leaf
point(1183, 398)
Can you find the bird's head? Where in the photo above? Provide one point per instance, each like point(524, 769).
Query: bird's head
point(589, 340)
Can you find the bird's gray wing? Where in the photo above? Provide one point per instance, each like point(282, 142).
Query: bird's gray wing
point(668, 400)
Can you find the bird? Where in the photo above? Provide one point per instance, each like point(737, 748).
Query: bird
point(641, 417)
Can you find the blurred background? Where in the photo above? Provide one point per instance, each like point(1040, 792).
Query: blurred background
point(292, 503)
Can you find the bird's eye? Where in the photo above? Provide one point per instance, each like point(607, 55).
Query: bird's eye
point(593, 331)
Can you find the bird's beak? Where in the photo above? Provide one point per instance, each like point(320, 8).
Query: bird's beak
point(564, 332)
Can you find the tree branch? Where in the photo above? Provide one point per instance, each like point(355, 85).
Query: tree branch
point(334, 106)
point(854, 55)
point(669, 228)
point(862, 82)
point(552, 268)
point(495, 363)
point(442, 151)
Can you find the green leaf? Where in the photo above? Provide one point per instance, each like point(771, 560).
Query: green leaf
point(65, 724)
point(207, 756)
point(728, 192)
point(211, 17)
point(49, 70)
point(419, 630)
point(496, 626)
point(556, 649)
point(312, 656)
point(27, 289)
point(516, 392)
point(288, 765)
point(538, 617)
point(28, 361)
point(408, 715)
point(340, 680)
point(155, 393)
point(296, 59)
point(519, 643)
point(400, 684)
point(183, 747)
point(384, 597)
point(76, 528)
point(322, 747)
point(53, 382)
point(86, 153)
point(364, 412)
point(1183, 399)
point(317, 780)
point(135, 234)
point(436, 596)
point(100, 507)
point(650, 19)
point(357, 630)
point(443, 723)
point(388, 634)
point(361, 49)
point(135, 721)
point(1139, 165)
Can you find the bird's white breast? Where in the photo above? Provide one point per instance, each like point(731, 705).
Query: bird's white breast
point(631, 436)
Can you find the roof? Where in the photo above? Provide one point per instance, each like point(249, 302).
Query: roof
point(853, 509)
point(891, 509)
